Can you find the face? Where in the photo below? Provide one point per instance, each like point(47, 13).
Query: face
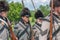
point(39, 21)
point(58, 10)
point(4, 14)
point(25, 18)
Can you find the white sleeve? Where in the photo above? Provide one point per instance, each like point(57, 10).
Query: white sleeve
point(45, 25)
point(45, 29)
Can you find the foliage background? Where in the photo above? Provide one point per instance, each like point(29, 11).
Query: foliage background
point(15, 10)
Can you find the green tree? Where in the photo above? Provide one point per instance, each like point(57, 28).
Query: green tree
point(32, 18)
point(14, 11)
point(45, 9)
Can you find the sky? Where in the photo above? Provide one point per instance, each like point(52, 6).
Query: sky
point(29, 5)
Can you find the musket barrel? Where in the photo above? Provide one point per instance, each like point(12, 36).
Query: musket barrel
point(51, 14)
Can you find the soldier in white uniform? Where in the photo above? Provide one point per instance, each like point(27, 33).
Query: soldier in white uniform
point(22, 29)
point(36, 27)
point(56, 23)
point(4, 29)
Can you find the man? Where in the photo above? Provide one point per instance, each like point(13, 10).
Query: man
point(4, 30)
point(22, 29)
point(56, 23)
point(36, 28)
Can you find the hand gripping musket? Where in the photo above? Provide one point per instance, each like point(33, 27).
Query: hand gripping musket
point(51, 14)
point(13, 36)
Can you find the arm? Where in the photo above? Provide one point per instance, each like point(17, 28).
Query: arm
point(45, 29)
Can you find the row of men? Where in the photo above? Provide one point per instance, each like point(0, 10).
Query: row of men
point(23, 29)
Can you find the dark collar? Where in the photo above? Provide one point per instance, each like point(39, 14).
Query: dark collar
point(56, 16)
point(38, 24)
point(21, 20)
point(5, 19)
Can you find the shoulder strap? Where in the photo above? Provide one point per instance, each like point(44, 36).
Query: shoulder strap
point(38, 27)
point(1, 30)
point(54, 34)
point(4, 26)
point(42, 32)
point(22, 33)
point(3, 21)
point(46, 20)
point(23, 26)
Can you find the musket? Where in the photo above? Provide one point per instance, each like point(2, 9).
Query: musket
point(32, 37)
point(23, 3)
point(33, 5)
point(51, 14)
point(13, 36)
